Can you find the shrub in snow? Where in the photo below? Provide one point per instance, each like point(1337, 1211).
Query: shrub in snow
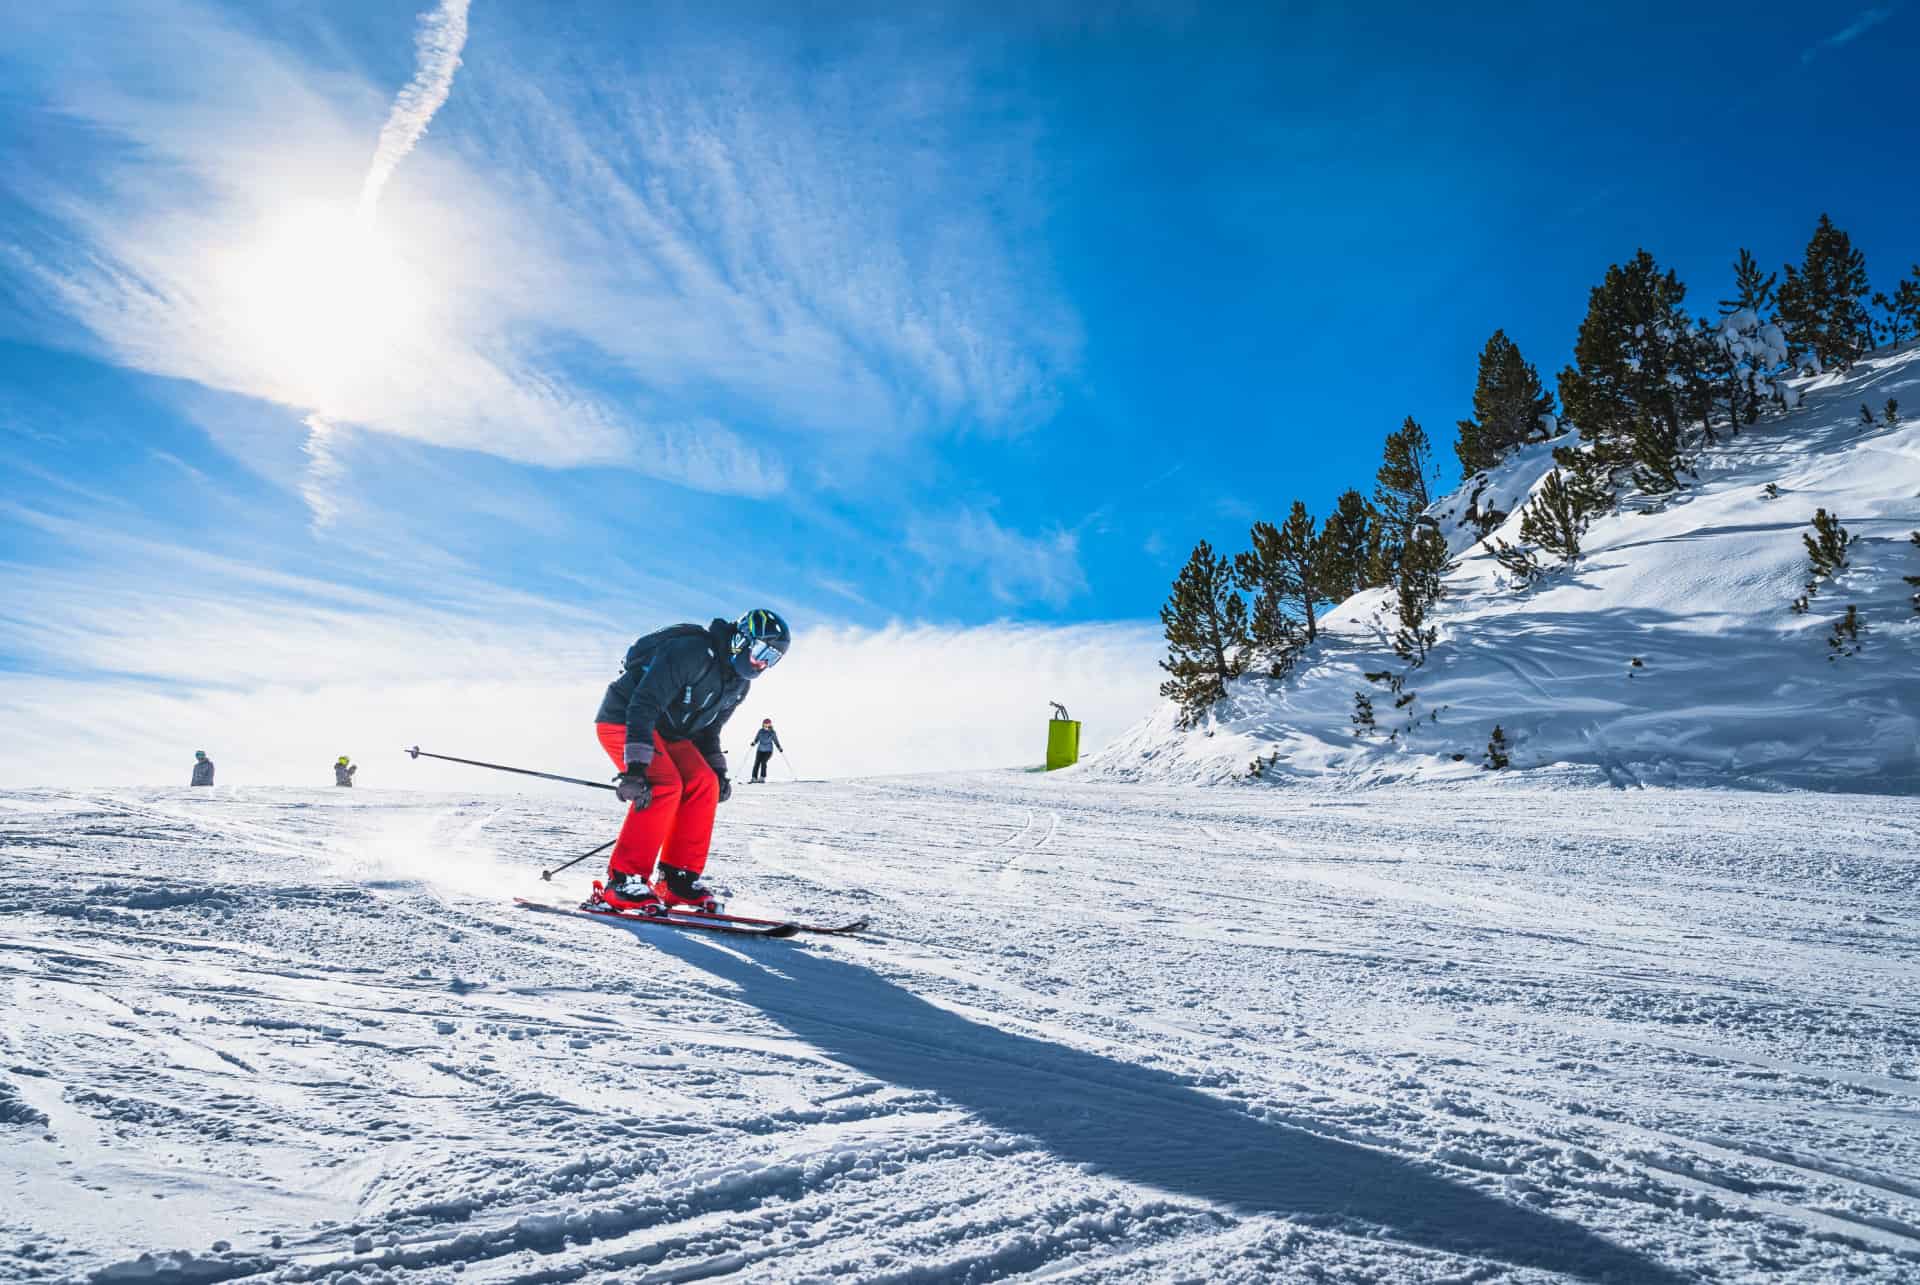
point(1417, 587)
point(1892, 413)
point(1845, 638)
point(1497, 750)
point(1206, 629)
point(1866, 416)
point(1510, 406)
point(1823, 304)
point(1553, 519)
point(1363, 724)
point(1518, 562)
point(1771, 491)
point(1827, 548)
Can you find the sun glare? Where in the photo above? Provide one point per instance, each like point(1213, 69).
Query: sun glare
point(324, 301)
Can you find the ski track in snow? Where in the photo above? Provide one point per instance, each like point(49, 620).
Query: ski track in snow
point(1498, 1031)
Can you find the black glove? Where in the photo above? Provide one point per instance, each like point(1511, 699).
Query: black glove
point(726, 788)
point(632, 786)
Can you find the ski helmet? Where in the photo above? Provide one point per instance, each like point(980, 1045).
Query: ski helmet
point(766, 722)
point(760, 639)
point(341, 759)
point(199, 754)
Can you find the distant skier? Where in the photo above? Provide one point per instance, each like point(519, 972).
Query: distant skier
point(202, 768)
point(765, 742)
point(343, 771)
point(660, 724)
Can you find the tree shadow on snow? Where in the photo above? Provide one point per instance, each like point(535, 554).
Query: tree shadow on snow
point(1138, 1124)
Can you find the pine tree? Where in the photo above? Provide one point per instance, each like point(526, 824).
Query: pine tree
point(1400, 492)
point(1823, 305)
point(1347, 543)
point(1517, 561)
point(1553, 518)
point(1418, 584)
point(1508, 405)
point(1283, 572)
point(1903, 309)
point(1363, 724)
point(1497, 747)
point(1751, 291)
point(1637, 357)
point(1206, 629)
point(1827, 547)
point(1892, 412)
point(1657, 462)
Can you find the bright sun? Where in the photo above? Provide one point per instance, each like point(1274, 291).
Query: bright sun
point(323, 301)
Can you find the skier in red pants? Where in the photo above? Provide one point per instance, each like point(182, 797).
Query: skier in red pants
point(660, 724)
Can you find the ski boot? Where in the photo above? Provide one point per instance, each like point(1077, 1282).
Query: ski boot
point(627, 892)
point(679, 887)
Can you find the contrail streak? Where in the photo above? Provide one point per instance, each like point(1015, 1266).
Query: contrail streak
point(443, 33)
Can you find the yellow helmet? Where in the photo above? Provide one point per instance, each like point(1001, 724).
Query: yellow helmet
point(341, 759)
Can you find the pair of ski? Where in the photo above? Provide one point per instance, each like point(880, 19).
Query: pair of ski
point(696, 921)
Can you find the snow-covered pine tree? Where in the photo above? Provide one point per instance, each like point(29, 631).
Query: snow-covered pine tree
point(1418, 583)
point(1206, 629)
point(1497, 747)
point(1553, 518)
point(1823, 305)
point(1638, 357)
point(1401, 492)
point(1348, 543)
point(1509, 403)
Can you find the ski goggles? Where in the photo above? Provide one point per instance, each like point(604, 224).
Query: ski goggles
point(762, 655)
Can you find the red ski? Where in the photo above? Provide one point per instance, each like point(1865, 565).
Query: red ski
point(771, 928)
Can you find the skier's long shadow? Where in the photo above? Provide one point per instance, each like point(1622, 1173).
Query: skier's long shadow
point(1139, 1124)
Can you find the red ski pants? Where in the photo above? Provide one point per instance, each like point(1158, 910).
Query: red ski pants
point(677, 827)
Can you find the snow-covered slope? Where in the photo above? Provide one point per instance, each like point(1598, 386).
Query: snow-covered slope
point(1730, 685)
point(1101, 1033)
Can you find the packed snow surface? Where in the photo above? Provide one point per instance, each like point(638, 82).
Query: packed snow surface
point(1669, 652)
point(1497, 1031)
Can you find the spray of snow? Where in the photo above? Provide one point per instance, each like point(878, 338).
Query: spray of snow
point(443, 34)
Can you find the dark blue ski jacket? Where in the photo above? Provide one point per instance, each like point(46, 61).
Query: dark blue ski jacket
point(679, 682)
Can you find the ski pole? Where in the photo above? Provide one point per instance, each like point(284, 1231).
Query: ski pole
point(418, 753)
point(549, 874)
point(789, 762)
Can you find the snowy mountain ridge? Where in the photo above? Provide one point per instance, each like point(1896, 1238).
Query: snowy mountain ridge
point(1668, 653)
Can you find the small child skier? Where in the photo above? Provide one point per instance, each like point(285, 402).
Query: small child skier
point(765, 742)
point(343, 771)
point(202, 768)
point(660, 724)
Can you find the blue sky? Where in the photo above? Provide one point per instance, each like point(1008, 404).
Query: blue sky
point(948, 334)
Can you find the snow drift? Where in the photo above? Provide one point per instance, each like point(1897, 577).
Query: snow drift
point(1669, 652)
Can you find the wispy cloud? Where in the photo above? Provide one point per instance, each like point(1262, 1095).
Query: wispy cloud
point(709, 264)
point(442, 35)
point(1864, 21)
point(1015, 567)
